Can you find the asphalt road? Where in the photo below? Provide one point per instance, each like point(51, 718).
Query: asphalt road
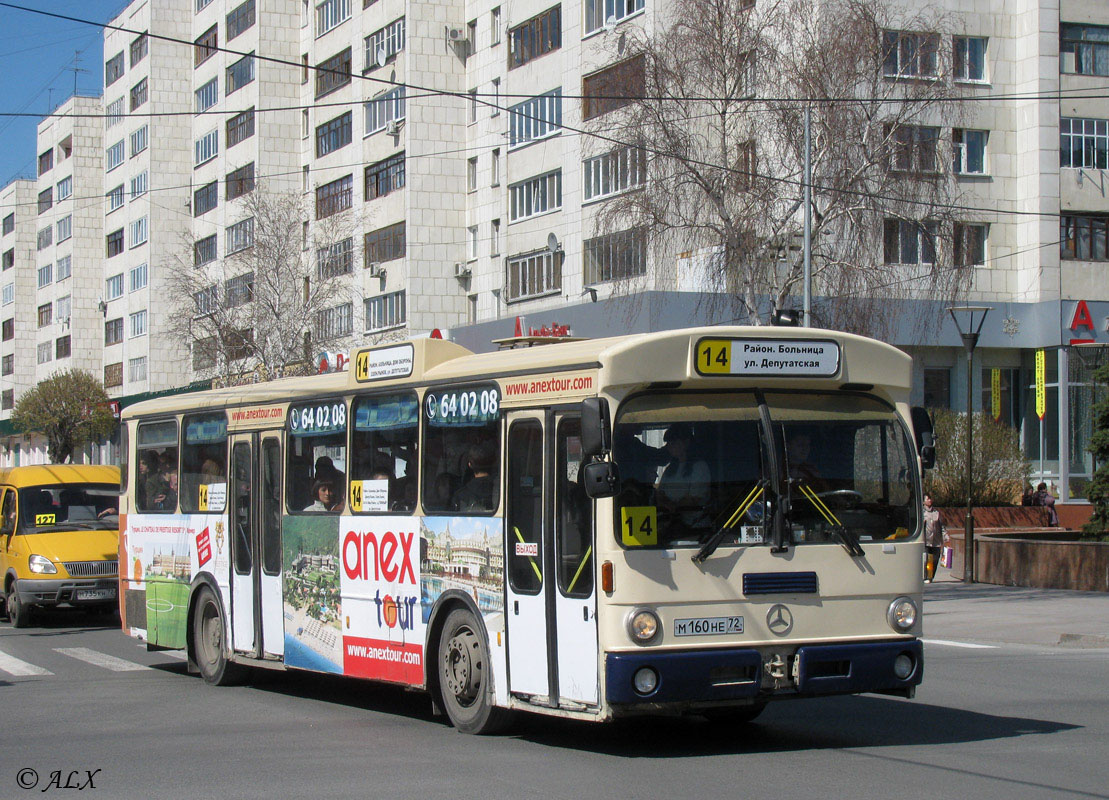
point(1005, 711)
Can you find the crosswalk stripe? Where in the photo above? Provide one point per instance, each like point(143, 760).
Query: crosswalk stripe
point(14, 666)
point(99, 659)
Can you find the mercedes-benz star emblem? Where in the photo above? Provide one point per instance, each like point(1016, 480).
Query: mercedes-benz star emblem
point(779, 619)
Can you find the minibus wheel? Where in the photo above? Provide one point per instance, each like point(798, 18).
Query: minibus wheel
point(18, 611)
point(465, 677)
point(210, 641)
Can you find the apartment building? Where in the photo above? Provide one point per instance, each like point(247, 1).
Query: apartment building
point(18, 210)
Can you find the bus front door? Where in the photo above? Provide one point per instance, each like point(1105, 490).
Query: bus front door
point(257, 625)
point(551, 613)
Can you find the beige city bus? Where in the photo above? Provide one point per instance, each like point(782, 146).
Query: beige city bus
point(696, 521)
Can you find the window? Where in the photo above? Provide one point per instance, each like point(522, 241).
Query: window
point(473, 106)
point(136, 370)
point(331, 198)
point(46, 237)
point(472, 240)
point(910, 55)
point(471, 174)
point(114, 241)
point(7, 365)
point(7, 399)
point(1083, 143)
point(240, 181)
point(63, 308)
point(615, 256)
point(612, 88)
point(495, 26)
point(207, 95)
point(384, 244)
point(113, 287)
point(204, 251)
point(333, 73)
point(330, 13)
point(304, 124)
point(63, 269)
point(65, 227)
point(205, 46)
point(45, 275)
point(495, 168)
point(385, 176)
point(240, 127)
point(495, 108)
point(334, 322)
point(46, 161)
point(206, 147)
point(114, 114)
point(205, 198)
point(969, 149)
point(1084, 238)
point(138, 141)
point(495, 237)
point(239, 74)
point(535, 196)
point(336, 259)
point(909, 241)
point(113, 69)
point(207, 300)
point(115, 198)
point(9, 294)
point(139, 185)
point(139, 232)
point(534, 274)
point(317, 455)
point(138, 277)
point(138, 323)
point(385, 433)
point(969, 58)
point(46, 200)
point(1084, 49)
point(8, 330)
point(139, 47)
point(970, 244)
point(9, 259)
point(113, 331)
point(240, 19)
point(44, 352)
point(537, 36)
point(384, 108)
point(333, 134)
point(535, 118)
point(113, 375)
point(386, 311)
point(138, 94)
point(240, 236)
point(46, 314)
point(200, 6)
point(113, 156)
point(597, 12)
point(913, 148)
point(745, 168)
point(616, 171)
point(9, 223)
point(239, 291)
point(383, 45)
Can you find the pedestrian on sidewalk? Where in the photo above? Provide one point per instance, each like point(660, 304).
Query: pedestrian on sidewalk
point(933, 538)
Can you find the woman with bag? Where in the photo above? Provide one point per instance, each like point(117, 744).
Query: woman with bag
point(933, 538)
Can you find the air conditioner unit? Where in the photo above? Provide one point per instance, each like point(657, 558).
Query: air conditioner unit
point(456, 35)
point(461, 269)
point(1069, 65)
point(375, 269)
point(392, 127)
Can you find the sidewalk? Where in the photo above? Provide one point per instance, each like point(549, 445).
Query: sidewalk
point(989, 614)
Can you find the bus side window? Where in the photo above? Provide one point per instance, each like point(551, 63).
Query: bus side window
point(156, 474)
point(462, 450)
point(384, 464)
point(574, 540)
point(204, 463)
point(8, 513)
point(316, 479)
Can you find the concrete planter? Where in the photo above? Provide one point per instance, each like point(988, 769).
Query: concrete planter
point(1044, 559)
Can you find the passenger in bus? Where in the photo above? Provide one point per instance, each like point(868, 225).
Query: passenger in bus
point(325, 470)
point(477, 494)
point(798, 451)
point(326, 497)
point(685, 485)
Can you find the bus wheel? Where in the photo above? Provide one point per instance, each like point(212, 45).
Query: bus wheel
point(209, 642)
point(736, 715)
point(18, 611)
point(464, 676)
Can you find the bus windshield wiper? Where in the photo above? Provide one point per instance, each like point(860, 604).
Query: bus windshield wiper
point(714, 541)
point(849, 540)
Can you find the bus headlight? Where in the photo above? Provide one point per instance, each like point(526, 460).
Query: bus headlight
point(902, 614)
point(643, 625)
point(42, 565)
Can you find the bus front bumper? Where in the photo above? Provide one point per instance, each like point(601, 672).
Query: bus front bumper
point(737, 674)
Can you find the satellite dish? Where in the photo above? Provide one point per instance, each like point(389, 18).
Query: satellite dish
point(552, 243)
point(610, 23)
point(381, 56)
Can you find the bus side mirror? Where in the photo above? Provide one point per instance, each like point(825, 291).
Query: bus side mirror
point(600, 479)
point(925, 436)
point(595, 437)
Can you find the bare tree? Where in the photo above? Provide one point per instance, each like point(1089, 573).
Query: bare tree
point(717, 105)
point(252, 315)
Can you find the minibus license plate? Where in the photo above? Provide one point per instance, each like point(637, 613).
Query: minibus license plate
point(95, 594)
point(708, 626)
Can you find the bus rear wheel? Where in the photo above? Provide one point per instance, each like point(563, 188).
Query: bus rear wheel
point(210, 642)
point(465, 676)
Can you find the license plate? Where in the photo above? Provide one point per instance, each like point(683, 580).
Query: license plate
point(708, 626)
point(95, 594)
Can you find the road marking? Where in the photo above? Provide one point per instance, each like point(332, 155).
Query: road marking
point(968, 645)
point(99, 659)
point(180, 655)
point(13, 666)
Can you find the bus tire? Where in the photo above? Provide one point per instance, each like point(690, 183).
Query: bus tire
point(465, 678)
point(210, 641)
point(18, 611)
point(735, 715)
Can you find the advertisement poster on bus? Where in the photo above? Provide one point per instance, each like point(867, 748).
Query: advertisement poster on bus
point(311, 593)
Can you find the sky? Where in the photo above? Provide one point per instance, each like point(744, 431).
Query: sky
point(36, 60)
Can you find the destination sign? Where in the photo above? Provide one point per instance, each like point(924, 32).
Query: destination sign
point(815, 358)
point(384, 363)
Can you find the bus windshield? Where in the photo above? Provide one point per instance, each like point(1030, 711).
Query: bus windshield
point(698, 465)
point(69, 506)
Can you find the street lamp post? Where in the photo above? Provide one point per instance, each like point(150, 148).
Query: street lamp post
point(970, 341)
